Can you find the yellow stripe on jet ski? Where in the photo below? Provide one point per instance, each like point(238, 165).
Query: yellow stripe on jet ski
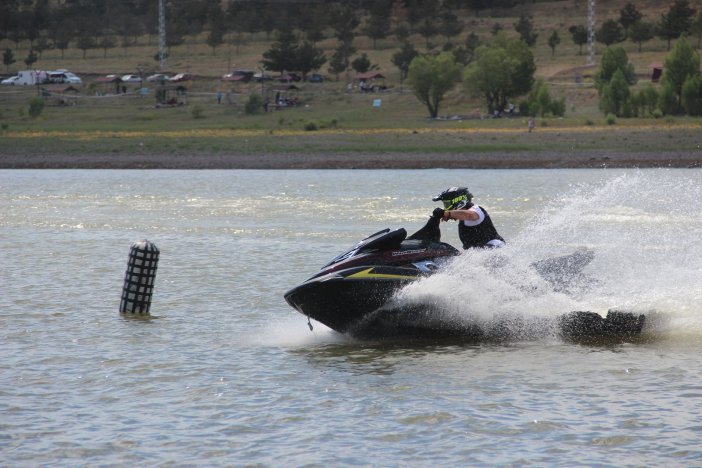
point(368, 274)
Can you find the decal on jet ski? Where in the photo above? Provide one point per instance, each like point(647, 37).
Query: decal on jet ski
point(368, 273)
point(409, 252)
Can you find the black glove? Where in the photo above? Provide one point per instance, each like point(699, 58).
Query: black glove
point(437, 213)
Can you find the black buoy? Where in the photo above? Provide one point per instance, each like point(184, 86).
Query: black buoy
point(139, 279)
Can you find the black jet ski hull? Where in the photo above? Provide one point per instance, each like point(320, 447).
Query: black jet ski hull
point(341, 299)
point(430, 322)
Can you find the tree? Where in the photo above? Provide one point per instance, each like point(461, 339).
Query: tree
point(420, 11)
point(85, 42)
point(308, 58)
point(451, 26)
point(615, 94)
point(403, 58)
point(540, 103)
point(628, 16)
point(107, 42)
point(379, 21)
point(63, 34)
point(361, 64)
point(344, 21)
point(339, 62)
point(431, 77)
point(8, 58)
point(525, 28)
point(641, 32)
point(465, 53)
point(611, 32)
point(692, 95)
point(682, 63)
point(614, 59)
point(578, 34)
point(647, 100)
point(215, 38)
point(281, 56)
point(553, 40)
point(428, 29)
point(696, 29)
point(501, 71)
point(42, 45)
point(401, 32)
point(31, 58)
point(676, 22)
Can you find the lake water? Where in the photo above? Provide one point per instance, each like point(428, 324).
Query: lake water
point(225, 373)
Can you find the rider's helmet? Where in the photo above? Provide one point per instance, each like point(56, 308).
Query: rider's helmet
point(454, 198)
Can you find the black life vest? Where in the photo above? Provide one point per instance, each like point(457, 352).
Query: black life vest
point(480, 235)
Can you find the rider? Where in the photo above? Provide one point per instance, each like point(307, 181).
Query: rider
point(475, 228)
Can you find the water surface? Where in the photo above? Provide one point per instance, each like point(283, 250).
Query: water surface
point(226, 374)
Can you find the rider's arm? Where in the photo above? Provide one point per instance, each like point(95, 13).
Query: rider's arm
point(469, 215)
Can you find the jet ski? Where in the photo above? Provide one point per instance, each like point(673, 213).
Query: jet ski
point(364, 278)
point(353, 294)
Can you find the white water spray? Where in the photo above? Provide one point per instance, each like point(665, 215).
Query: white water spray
point(645, 229)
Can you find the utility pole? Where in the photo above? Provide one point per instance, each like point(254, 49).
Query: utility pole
point(591, 32)
point(161, 34)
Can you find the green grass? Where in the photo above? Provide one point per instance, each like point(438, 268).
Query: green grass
point(329, 107)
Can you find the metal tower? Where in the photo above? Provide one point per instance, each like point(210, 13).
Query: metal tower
point(161, 34)
point(590, 32)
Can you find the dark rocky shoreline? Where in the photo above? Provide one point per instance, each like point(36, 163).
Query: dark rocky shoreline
point(487, 160)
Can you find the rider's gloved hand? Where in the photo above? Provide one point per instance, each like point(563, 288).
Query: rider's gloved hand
point(437, 213)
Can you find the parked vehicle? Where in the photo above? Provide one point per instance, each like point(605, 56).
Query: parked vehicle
point(156, 77)
point(242, 75)
point(131, 79)
point(71, 77)
point(11, 81)
point(63, 76)
point(182, 77)
point(316, 78)
point(31, 77)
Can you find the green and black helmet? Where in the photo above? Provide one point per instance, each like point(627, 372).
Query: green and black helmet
point(455, 198)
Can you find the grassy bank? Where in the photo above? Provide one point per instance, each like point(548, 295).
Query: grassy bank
point(331, 120)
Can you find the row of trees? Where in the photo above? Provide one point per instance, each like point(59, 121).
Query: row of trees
point(108, 24)
point(503, 71)
point(680, 91)
point(632, 25)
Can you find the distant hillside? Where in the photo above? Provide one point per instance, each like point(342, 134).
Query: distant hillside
point(117, 47)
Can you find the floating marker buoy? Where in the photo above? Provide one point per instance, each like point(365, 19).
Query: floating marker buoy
point(139, 279)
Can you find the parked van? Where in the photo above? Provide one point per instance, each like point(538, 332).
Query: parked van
point(31, 77)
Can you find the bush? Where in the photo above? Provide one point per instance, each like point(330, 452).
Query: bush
point(611, 119)
point(197, 112)
point(310, 126)
point(36, 106)
point(668, 101)
point(540, 103)
point(254, 105)
point(648, 100)
point(558, 107)
point(614, 94)
point(692, 95)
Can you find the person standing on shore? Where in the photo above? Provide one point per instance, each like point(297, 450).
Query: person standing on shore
point(531, 123)
point(475, 227)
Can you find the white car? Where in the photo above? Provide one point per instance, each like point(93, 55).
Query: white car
point(158, 77)
point(131, 79)
point(10, 81)
point(73, 78)
point(69, 77)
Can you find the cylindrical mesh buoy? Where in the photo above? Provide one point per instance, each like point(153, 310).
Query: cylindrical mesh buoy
point(139, 279)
